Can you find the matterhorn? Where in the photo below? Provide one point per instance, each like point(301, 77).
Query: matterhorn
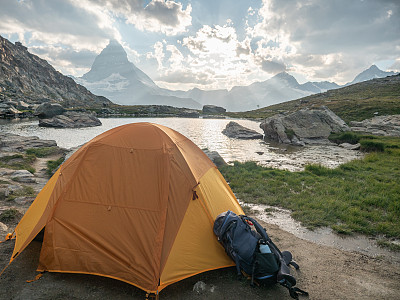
point(113, 76)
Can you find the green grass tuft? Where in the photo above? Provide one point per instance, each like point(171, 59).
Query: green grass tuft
point(18, 162)
point(9, 215)
point(344, 137)
point(290, 133)
point(42, 152)
point(372, 146)
point(52, 165)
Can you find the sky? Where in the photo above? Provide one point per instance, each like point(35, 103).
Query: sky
point(212, 44)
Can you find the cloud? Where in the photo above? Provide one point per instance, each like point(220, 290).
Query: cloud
point(326, 38)
point(396, 66)
point(271, 66)
point(57, 21)
point(85, 26)
point(168, 17)
point(211, 58)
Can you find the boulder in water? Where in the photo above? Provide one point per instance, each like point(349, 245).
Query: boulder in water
point(305, 126)
point(237, 131)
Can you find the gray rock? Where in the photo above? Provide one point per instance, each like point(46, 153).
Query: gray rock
point(199, 287)
point(23, 200)
point(215, 157)
point(235, 130)
point(49, 110)
point(379, 125)
point(213, 109)
point(23, 176)
point(3, 227)
point(14, 143)
point(71, 120)
point(350, 146)
point(13, 188)
point(305, 126)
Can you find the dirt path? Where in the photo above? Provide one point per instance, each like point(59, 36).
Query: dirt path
point(326, 273)
point(40, 165)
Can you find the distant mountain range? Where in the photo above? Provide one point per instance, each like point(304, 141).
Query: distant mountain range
point(115, 77)
point(353, 102)
point(26, 77)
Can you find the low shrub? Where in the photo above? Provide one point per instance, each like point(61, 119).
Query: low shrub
point(9, 215)
point(372, 146)
point(290, 133)
point(345, 137)
point(52, 165)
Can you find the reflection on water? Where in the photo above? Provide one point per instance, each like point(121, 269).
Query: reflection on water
point(206, 133)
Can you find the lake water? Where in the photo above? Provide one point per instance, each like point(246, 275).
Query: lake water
point(205, 133)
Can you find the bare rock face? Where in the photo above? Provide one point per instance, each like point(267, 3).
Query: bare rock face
point(237, 131)
point(380, 125)
point(303, 127)
point(28, 78)
point(71, 120)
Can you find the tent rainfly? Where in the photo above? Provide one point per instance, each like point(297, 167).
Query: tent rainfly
point(137, 203)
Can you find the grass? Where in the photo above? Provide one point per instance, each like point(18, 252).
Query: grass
point(360, 196)
point(42, 152)
point(52, 165)
point(387, 244)
point(18, 162)
point(9, 215)
point(345, 137)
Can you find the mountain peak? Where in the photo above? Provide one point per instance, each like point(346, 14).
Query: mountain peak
point(374, 68)
point(371, 73)
point(284, 76)
point(113, 62)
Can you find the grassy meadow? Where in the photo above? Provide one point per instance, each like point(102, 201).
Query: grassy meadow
point(361, 196)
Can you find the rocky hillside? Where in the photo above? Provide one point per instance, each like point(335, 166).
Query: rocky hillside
point(357, 102)
point(26, 77)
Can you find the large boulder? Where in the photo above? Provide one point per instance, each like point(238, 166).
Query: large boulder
point(71, 120)
point(49, 110)
point(305, 126)
point(213, 109)
point(379, 125)
point(237, 131)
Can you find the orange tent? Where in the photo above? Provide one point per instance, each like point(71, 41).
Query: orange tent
point(137, 203)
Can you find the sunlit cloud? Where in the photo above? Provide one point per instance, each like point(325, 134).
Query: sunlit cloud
point(321, 40)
